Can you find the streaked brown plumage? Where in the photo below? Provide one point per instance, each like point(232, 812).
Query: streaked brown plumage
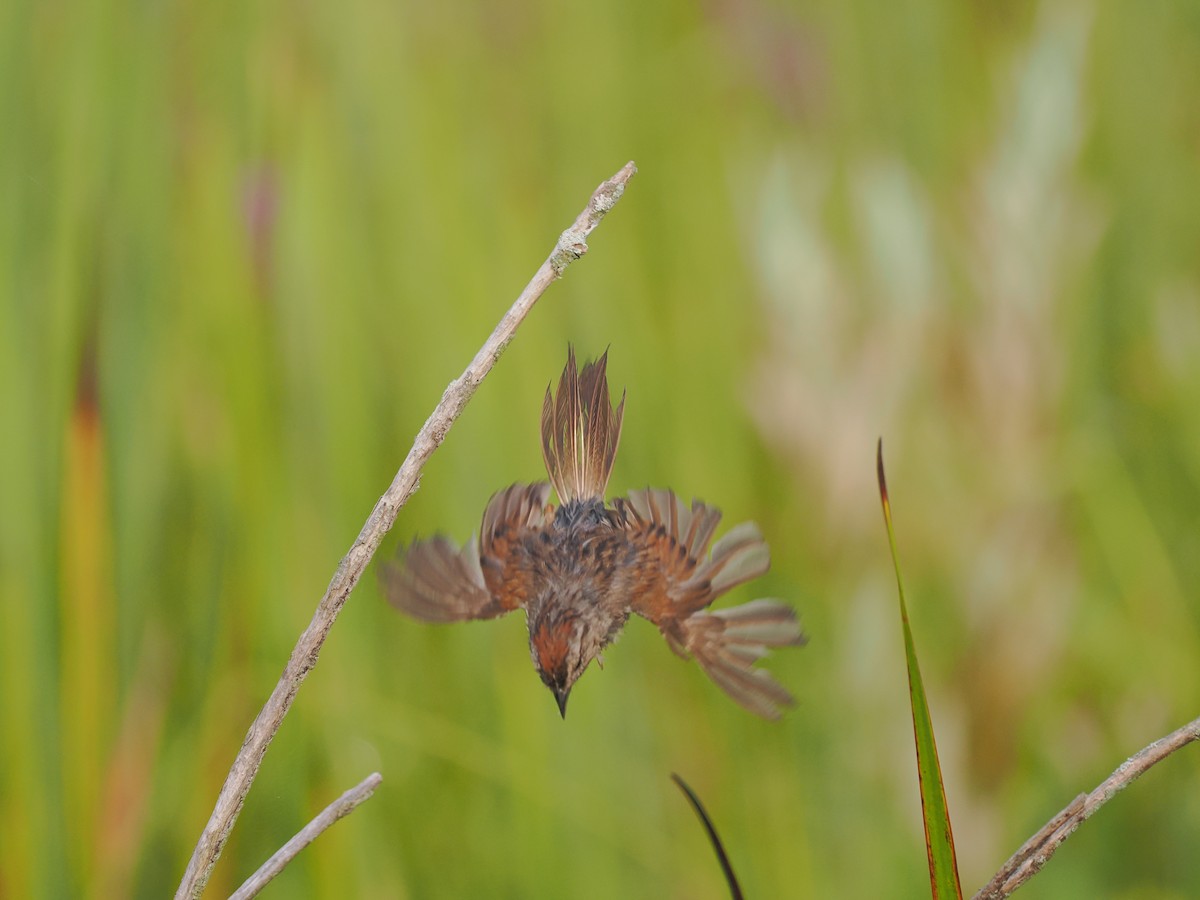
point(579, 569)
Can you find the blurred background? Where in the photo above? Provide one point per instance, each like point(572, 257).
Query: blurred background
point(245, 246)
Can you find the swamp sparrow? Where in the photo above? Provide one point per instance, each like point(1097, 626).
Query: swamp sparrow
point(579, 569)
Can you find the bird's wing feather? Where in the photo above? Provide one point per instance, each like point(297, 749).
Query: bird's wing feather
point(435, 581)
point(673, 540)
point(512, 516)
point(676, 581)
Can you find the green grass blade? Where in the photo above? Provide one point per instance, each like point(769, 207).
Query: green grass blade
point(735, 890)
point(939, 840)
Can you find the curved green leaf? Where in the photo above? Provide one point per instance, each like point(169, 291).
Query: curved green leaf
point(939, 840)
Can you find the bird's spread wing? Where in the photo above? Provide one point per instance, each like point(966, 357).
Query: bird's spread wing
point(435, 581)
point(676, 581)
point(673, 540)
point(511, 516)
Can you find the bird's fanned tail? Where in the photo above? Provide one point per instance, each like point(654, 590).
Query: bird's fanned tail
point(580, 431)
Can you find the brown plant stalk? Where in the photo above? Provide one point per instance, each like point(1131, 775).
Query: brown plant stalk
point(571, 245)
point(342, 806)
point(1036, 851)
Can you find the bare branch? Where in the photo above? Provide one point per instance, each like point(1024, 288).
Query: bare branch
point(571, 245)
point(1034, 853)
point(342, 806)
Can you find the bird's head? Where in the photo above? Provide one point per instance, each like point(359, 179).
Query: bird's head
point(562, 644)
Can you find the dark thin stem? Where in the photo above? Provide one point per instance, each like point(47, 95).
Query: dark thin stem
point(735, 890)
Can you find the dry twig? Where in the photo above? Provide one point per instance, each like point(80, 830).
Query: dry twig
point(1034, 853)
point(342, 806)
point(571, 245)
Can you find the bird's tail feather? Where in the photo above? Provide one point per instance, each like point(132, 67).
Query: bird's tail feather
point(580, 431)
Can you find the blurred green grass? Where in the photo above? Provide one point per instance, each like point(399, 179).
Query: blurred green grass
point(243, 247)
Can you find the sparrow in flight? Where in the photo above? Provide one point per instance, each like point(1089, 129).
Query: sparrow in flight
point(579, 569)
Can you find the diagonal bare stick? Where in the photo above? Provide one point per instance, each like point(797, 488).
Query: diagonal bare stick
point(342, 806)
point(1034, 853)
point(571, 245)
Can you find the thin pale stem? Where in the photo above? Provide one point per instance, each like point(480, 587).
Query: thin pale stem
point(342, 806)
point(1036, 851)
point(571, 245)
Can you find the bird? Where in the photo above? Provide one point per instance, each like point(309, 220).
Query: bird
point(580, 569)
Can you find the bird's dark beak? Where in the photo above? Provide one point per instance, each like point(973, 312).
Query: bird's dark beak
point(561, 695)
